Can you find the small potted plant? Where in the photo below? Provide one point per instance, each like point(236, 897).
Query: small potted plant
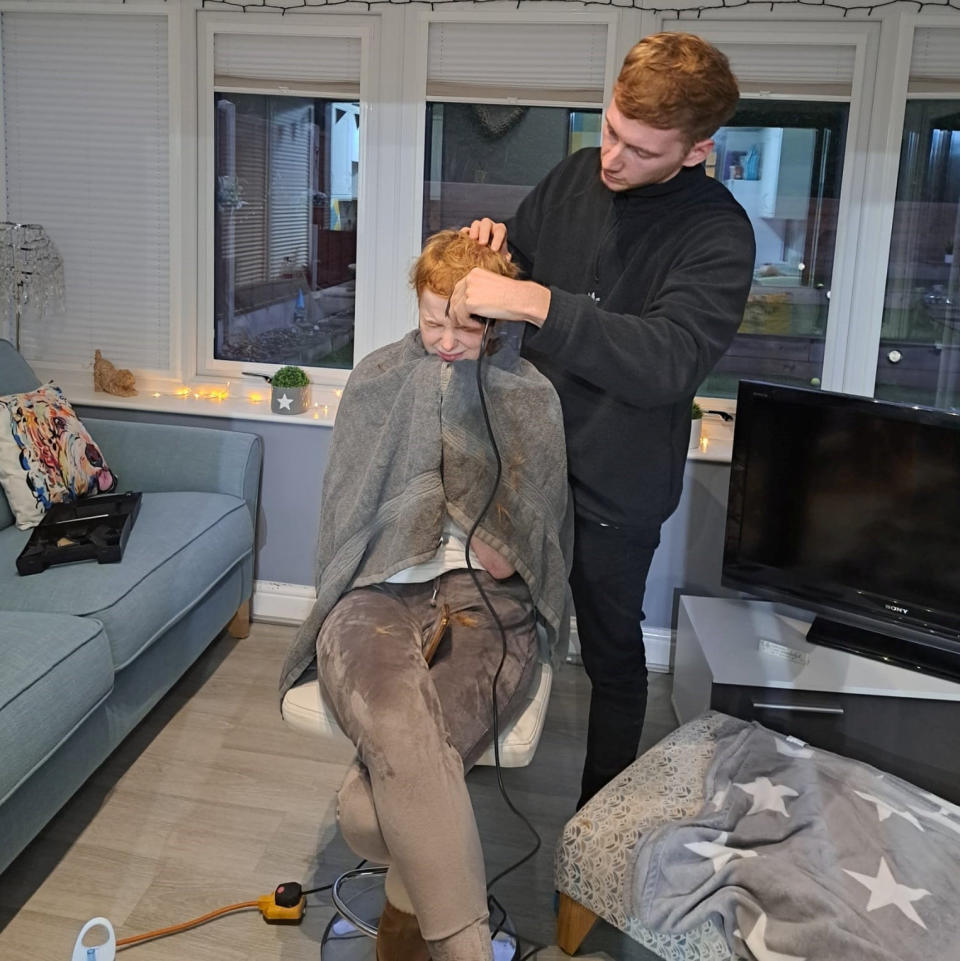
point(290, 391)
point(696, 423)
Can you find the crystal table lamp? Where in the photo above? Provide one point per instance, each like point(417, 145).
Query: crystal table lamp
point(31, 270)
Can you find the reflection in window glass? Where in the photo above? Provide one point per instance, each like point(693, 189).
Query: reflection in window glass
point(919, 359)
point(285, 231)
point(483, 159)
point(782, 160)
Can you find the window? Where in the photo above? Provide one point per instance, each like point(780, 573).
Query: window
point(783, 162)
point(285, 230)
point(505, 104)
point(484, 158)
point(919, 355)
point(282, 176)
point(795, 154)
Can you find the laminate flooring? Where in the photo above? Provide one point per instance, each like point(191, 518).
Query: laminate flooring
point(213, 800)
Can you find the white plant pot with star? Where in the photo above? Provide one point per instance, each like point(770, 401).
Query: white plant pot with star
point(289, 400)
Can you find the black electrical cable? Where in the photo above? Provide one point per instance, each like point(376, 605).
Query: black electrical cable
point(493, 614)
point(327, 887)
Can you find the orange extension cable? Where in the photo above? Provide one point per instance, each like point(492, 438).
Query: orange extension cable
point(177, 928)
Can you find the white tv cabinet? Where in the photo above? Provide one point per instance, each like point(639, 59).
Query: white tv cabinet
point(746, 659)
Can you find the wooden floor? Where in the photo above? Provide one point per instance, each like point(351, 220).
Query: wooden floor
point(213, 800)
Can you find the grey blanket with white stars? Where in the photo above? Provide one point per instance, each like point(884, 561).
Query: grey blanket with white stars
point(799, 854)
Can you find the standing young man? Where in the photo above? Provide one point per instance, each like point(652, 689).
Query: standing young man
point(640, 267)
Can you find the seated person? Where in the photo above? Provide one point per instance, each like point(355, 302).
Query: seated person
point(410, 470)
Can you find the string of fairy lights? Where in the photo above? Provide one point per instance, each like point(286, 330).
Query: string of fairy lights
point(680, 10)
point(239, 398)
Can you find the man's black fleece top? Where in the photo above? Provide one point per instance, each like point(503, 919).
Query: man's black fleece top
point(648, 288)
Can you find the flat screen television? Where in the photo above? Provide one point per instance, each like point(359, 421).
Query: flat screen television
point(850, 508)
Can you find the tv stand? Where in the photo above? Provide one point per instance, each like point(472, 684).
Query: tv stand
point(923, 658)
point(753, 660)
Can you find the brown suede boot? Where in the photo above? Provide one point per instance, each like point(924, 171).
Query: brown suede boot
point(399, 938)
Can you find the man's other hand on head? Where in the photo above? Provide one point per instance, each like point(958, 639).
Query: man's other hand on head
point(489, 233)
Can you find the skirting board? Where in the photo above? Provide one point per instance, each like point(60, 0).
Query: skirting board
point(279, 603)
point(658, 642)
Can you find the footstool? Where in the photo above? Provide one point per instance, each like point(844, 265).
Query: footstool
point(664, 784)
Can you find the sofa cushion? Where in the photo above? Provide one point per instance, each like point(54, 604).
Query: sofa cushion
point(47, 456)
point(181, 545)
point(56, 671)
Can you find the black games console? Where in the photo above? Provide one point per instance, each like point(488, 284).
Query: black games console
point(92, 528)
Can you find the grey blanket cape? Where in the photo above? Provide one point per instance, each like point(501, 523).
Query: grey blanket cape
point(409, 447)
point(803, 855)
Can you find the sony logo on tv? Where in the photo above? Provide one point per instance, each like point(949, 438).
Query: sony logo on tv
point(896, 609)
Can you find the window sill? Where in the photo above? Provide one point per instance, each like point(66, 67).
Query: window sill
point(716, 434)
point(250, 402)
point(230, 402)
point(716, 442)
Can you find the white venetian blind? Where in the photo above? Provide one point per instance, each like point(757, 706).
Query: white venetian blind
point(491, 62)
point(86, 136)
point(243, 134)
point(935, 62)
point(285, 63)
point(792, 68)
point(291, 152)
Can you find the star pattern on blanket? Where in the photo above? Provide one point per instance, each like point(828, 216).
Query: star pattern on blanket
point(885, 809)
point(767, 796)
point(718, 852)
point(798, 749)
point(884, 890)
point(757, 943)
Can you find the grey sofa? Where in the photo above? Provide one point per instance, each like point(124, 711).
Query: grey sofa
point(87, 649)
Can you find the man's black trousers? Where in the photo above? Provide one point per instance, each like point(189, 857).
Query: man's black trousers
point(608, 579)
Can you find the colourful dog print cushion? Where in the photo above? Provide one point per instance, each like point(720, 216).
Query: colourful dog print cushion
point(47, 456)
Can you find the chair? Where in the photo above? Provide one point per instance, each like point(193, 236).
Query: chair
point(304, 710)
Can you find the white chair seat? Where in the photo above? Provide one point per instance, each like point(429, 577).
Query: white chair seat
point(304, 710)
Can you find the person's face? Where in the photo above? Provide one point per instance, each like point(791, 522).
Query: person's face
point(442, 335)
point(634, 154)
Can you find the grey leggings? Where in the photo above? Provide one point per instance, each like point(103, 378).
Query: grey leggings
point(417, 729)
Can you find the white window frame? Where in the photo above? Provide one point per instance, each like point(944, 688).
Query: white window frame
point(393, 94)
point(369, 181)
point(842, 322)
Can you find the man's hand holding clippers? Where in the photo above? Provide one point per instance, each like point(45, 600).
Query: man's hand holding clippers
point(485, 294)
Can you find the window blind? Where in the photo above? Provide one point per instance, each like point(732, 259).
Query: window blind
point(242, 133)
point(935, 62)
point(286, 63)
point(291, 134)
point(491, 62)
point(792, 69)
point(86, 136)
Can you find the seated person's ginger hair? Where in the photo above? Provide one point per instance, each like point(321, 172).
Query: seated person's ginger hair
point(677, 81)
point(448, 256)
